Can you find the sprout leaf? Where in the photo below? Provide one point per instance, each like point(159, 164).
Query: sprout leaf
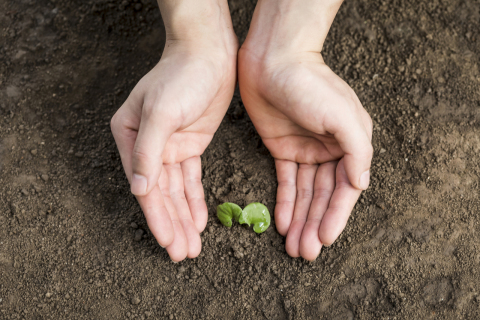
point(228, 211)
point(256, 214)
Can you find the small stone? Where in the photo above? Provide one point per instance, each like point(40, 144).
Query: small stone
point(135, 300)
point(287, 303)
point(171, 317)
point(381, 205)
point(382, 150)
point(38, 188)
point(79, 154)
point(44, 177)
point(181, 269)
point(255, 288)
point(33, 152)
point(138, 235)
point(133, 225)
point(48, 294)
point(25, 192)
point(238, 254)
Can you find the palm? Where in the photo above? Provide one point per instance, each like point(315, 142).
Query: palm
point(295, 114)
point(162, 129)
point(294, 104)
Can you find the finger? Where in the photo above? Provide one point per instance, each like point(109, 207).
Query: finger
point(354, 140)
point(310, 244)
point(157, 216)
point(341, 205)
point(192, 177)
point(367, 121)
point(177, 194)
point(153, 133)
point(178, 249)
point(286, 193)
point(124, 126)
point(305, 182)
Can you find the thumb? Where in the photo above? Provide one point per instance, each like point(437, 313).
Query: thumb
point(355, 143)
point(152, 137)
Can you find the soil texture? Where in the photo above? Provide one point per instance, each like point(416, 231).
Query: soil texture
point(74, 243)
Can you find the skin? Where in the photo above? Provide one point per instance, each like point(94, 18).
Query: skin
point(309, 119)
point(170, 118)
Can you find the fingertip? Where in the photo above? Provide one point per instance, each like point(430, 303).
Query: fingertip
point(201, 222)
point(178, 249)
point(194, 251)
point(281, 224)
point(357, 161)
point(292, 251)
point(166, 238)
point(292, 243)
point(138, 185)
point(310, 244)
point(310, 258)
point(194, 241)
point(327, 238)
point(199, 214)
point(364, 180)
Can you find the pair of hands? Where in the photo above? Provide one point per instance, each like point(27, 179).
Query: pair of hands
point(310, 120)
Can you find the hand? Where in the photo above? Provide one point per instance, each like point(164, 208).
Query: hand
point(162, 129)
point(316, 129)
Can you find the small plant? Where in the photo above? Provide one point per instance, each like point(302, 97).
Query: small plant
point(255, 213)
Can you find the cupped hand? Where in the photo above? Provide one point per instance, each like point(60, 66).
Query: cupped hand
point(320, 136)
point(162, 129)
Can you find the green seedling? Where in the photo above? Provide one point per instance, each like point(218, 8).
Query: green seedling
point(255, 213)
point(228, 211)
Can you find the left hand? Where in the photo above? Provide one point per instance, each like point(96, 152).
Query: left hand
point(320, 136)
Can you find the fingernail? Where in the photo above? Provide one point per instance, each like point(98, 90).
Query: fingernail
point(138, 185)
point(365, 180)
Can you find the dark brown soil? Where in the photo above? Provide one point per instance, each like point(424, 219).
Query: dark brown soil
point(74, 243)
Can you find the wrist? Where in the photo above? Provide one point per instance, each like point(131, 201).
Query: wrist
point(290, 26)
point(198, 23)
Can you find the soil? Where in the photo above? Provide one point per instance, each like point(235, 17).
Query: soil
point(74, 243)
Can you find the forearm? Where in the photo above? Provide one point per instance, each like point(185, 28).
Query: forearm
point(300, 25)
point(199, 21)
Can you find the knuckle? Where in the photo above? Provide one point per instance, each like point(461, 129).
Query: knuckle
point(139, 155)
point(178, 194)
point(370, 121)
point(369, 151)
point(304, 193)
point(115, 122)
point(286, 183)
point(149, 109)
point(323, 193)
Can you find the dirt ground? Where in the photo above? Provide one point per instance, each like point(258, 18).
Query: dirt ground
point(74, 243)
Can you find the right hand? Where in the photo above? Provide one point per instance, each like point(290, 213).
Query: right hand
point(162, 129)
